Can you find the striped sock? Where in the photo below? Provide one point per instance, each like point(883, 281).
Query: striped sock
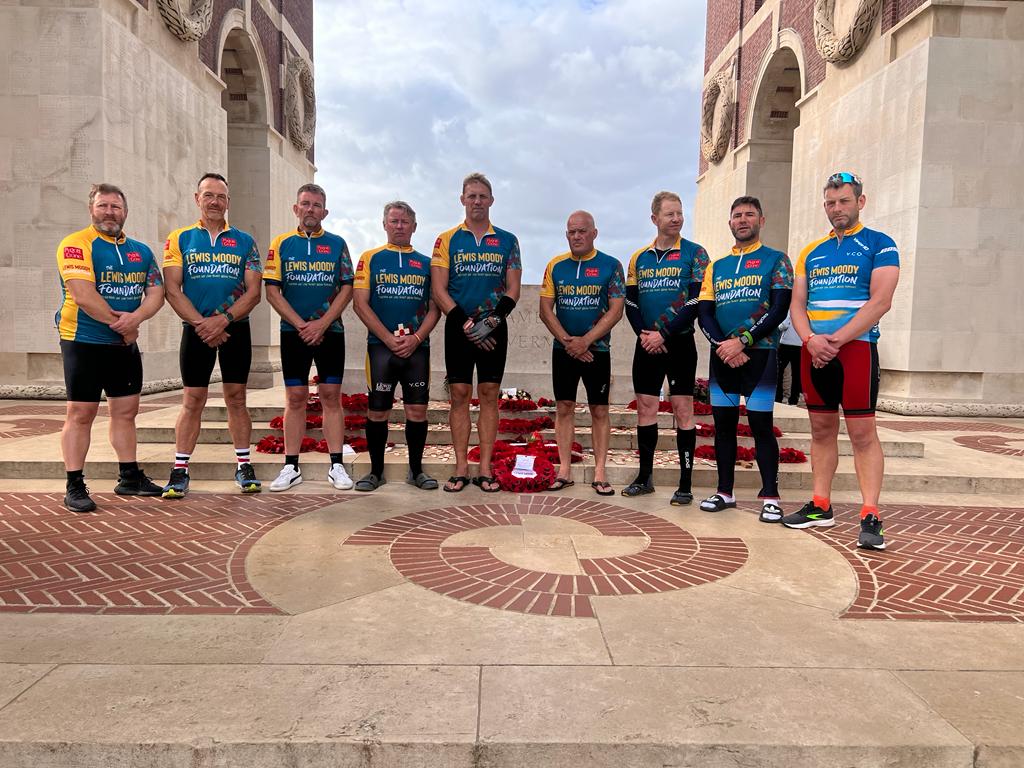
point(181, 460)
point(242, 456)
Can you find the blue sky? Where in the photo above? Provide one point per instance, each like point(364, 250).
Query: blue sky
point(563, 104)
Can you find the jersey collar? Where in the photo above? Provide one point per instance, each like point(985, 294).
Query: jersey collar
point(399, 248)
point(116, 240)
point(849, 232)
point(490, 229)
point(302, 233)
point(746, 249)
point(227, 226)
point(588, 257)
point(654, 247)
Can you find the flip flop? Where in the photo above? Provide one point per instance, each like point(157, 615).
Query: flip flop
point(462, 480)
point(480, 480)
point(559, 483)
point(603, 488)
point(423, 481)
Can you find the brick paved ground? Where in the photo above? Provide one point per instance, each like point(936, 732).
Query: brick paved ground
point(673, 559)
point(137, 556)
point(942, 564)
point(948, 426)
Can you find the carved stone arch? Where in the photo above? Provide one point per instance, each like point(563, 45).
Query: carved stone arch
point(843, 48)
point(300, 103)
point(257, 71)
point(716, 121)
point(187, 20)
point(790, 39)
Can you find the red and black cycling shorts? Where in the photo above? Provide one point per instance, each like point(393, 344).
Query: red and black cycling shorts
point(849, 380)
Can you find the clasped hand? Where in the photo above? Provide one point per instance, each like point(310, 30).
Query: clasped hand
point(480, 331)
point(732, 353)
point(823, 348)
point(577, 347)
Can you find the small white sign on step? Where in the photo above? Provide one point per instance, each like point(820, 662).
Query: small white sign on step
point(524, 466)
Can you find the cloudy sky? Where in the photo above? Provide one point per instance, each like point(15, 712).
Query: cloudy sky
point(564, 104)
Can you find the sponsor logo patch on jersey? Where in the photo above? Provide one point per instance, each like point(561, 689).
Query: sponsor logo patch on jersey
point(134, 256)
point(415, 264)
point(323, 249)
point(71, 252)
point(674, 256)
point(359, 266)
point(270, 256)
point(167, 244)
point(437, 243)
point(592, 272)
point(752, 264)
point(492, 241)
point(229, 242)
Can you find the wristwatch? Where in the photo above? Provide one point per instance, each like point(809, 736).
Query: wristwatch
point(747, 339)
point(228, 315)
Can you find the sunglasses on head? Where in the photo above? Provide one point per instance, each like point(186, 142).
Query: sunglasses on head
point(845, 178)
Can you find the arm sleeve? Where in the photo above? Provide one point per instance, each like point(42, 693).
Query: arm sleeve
point(633, 308)
point(345, 274)
point(778, 309)
point(685, 316)
point(709, 323)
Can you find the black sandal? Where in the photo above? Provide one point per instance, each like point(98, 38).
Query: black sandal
point(559, 483)
point(716, 504)
point(423, 481)
point(480, 480)
point(462, 480)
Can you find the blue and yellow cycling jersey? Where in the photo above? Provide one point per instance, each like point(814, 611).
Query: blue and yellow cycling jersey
point(398, 279)
point(839, 276)
point(213, 265)
point(741, 283)
point(581, 289)
point(476, 270)
point(662, 280)
point(310, 271)
point(122, 269)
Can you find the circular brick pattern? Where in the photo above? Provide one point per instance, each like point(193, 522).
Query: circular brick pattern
point(673, 558)
point(1004, 446)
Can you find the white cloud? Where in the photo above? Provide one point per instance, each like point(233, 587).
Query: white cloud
point(563, 104)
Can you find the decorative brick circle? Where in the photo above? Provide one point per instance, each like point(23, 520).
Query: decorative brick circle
point(941, 564)
point(1004, 446)
point(13, 429)
point(949, 426)
point(673, 558)
point(138, 556)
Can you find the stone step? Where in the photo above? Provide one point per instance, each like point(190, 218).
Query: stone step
point(622, 438)
point(216, 462)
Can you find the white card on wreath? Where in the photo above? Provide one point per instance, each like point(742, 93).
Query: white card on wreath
point(524, 466)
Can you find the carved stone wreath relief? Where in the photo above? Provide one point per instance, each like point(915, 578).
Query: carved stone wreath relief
point(715, 134)
point(188, 20)
point(840, 49)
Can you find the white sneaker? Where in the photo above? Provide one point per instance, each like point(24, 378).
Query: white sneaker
point(288, 477)
point(339, 478)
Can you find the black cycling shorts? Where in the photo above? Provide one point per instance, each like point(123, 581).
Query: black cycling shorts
point(196, 358)
point(92, 369)
point(678, 365)
point(566, 372)
point(755, 381)
point(297, 357)
point(461, 355)
point(385, 371)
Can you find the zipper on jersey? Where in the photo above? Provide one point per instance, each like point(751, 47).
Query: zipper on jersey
point(116, 248)
point(579, 263)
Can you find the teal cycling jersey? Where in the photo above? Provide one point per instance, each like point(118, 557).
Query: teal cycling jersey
point(398, 279)
point(662, 281)
point(838, 276)
point(740, 285)
point(213, 266)
point(581, 289)
point(477, 270)
point(121, 269)
point(310, 270)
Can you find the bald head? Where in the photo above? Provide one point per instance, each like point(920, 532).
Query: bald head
point(580, 231)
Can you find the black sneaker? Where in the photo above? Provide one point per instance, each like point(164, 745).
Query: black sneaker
point(810, 516)
point(77, 498)
point(177, 486)
point(871, 534)
point(245, 476)
point(638, 489)
point(136, 484)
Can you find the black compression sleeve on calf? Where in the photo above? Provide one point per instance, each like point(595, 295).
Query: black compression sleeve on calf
point(505, 306)
point(415, 439)
point(726, 419)
point(647, 442)
point(457, 315)
point(376, 442)
point(636, 320)
point(686, 443)
point(709, 323)
point(778, 308)
point(766, 448)
point(684, 317)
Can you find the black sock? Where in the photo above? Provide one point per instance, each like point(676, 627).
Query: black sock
point(336, 458)
point(127, 467)
point(686, 442)
point(646, 442)
point(766, 448)
point(76, 476)
point(415, 439)
point(376, 441)
point(292, 459)
point(726, 419)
